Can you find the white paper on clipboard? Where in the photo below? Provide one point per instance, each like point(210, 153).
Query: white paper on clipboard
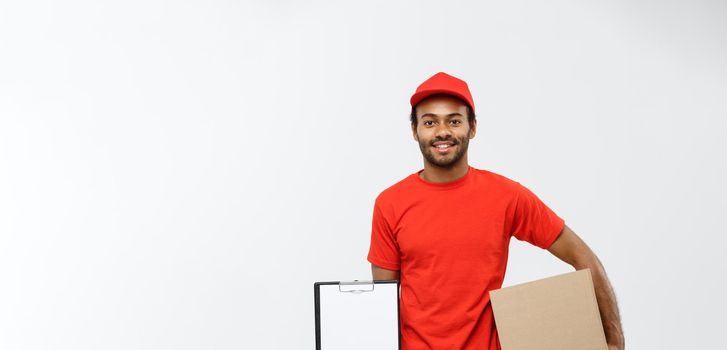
point(357, 315)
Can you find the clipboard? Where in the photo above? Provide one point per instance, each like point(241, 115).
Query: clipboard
point(357, 315)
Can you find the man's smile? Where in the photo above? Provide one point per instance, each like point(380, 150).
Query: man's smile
point(443, 147)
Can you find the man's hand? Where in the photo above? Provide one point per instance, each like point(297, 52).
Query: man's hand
point(572, 250)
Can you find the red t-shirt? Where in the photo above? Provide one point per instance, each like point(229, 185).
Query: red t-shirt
point(450, 243)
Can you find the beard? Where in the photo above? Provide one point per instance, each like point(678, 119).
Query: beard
point(444, 161)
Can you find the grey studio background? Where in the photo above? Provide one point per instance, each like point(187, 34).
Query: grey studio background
point(176, 175)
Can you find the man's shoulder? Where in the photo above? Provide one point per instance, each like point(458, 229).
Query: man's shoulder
point(494, 178)
point(399, 189)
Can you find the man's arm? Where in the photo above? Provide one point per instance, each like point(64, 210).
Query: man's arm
point(572, 250)
point(379, 273)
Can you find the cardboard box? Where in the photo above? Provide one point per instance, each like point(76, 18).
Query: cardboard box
point(555, 313)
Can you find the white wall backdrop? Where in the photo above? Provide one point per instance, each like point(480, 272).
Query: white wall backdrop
point(176, 175)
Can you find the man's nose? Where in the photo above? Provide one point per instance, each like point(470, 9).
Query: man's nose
point(443, 131)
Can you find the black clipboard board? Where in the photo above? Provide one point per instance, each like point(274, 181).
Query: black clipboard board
point(357, 315)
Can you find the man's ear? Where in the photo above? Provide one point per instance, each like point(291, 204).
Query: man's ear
point(473, 128)
point(414, 132)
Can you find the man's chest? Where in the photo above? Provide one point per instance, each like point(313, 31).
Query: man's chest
point(447, 227)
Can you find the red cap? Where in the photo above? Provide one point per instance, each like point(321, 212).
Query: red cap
point(443, 83)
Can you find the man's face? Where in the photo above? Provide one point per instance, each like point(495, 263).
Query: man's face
point(442, 130)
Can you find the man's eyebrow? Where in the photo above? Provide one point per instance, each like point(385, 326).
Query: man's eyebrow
point(450, 115)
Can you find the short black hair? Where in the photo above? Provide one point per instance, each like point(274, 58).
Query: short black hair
point(470, 115)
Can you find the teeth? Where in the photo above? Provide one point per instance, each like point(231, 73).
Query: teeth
point(442, 146)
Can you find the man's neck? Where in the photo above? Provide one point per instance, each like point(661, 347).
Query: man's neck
point(433, 173)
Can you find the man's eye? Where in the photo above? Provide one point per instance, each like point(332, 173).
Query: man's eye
point(428, 123)
point(456, 122)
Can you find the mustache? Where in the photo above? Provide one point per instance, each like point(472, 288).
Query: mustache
point(448, 139)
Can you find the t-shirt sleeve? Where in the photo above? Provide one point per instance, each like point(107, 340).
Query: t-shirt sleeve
point(533, 221)
point(384, 250)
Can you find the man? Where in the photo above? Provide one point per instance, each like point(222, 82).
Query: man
point(444, 232)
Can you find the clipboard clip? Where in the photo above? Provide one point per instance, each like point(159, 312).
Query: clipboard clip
point(354, 286)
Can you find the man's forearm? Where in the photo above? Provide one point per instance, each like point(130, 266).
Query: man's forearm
point(607, 304)
point(571, 249)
